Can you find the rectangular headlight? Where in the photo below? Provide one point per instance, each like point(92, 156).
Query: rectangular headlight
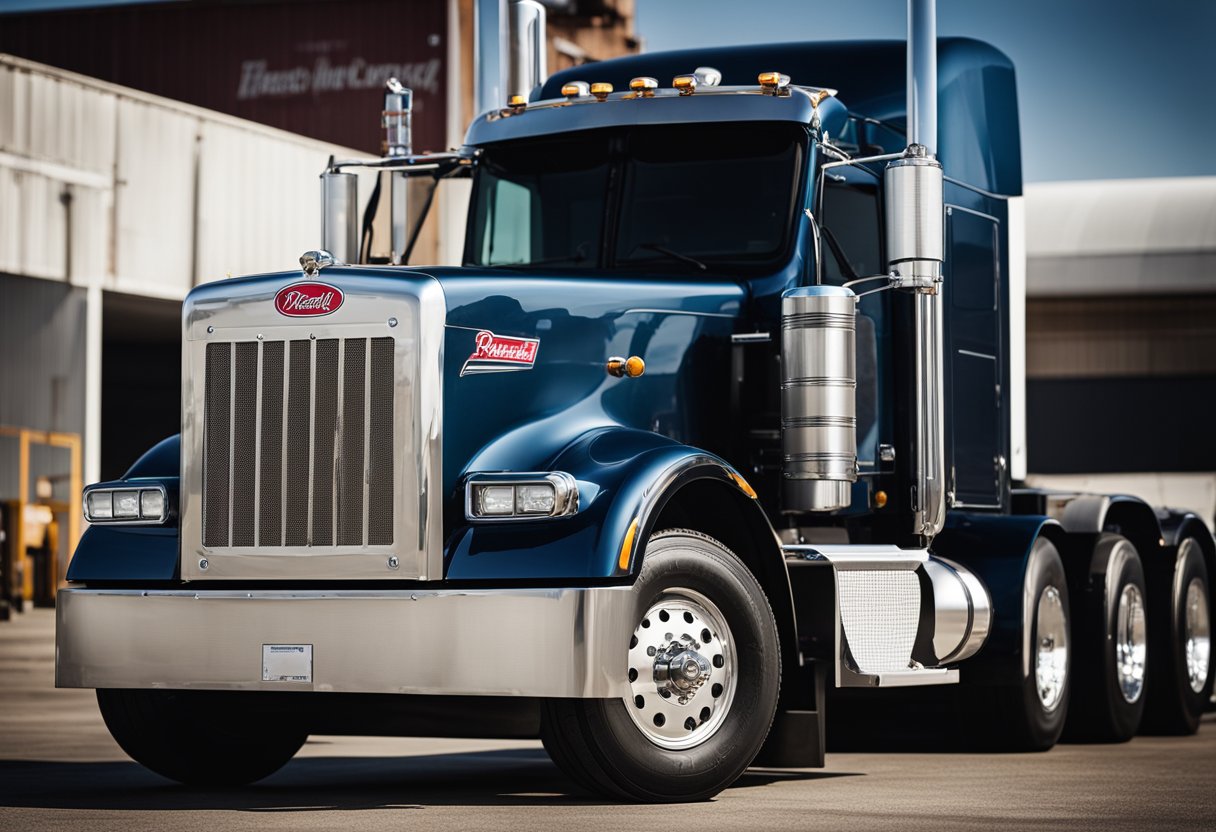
point(520, 496)
point(142, 505)
point(99, 505)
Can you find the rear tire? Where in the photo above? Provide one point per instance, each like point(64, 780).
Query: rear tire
point(682, 746)
point(1030, 716)
point(1111, 648)
point(1181, 674)
point(198, 738)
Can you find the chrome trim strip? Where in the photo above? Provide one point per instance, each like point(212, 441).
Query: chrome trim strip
point(504, 642)
point(257, 444)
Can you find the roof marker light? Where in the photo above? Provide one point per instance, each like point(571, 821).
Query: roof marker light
point(644, 86)
point(517, 103)
point(576, 89)
point(686, 84)
point(708, 76)
point(601, 90)
point(774, 83)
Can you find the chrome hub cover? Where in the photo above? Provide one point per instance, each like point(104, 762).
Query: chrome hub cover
point(1130, 643)
point(1197, 633)
point(1051, 648)
point(682, 670)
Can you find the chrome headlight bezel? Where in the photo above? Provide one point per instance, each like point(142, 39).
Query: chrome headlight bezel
point(565, 495)
point(151, 489)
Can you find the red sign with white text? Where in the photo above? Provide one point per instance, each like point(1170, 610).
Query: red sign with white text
point(500, 354)
point(303, 300)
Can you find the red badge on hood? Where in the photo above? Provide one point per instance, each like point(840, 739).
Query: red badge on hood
point(302, 300)
point(500, 354)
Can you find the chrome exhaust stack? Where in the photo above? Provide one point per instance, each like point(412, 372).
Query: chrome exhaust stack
point(529, 57)
point(396, 120)
point(916, 253)
point(339, 215)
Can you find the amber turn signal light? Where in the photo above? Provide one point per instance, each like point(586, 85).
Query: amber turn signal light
point(630, 367)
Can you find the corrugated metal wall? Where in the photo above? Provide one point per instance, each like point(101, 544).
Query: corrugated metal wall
point(143, 194)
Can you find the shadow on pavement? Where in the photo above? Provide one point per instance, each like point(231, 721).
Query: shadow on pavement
point(486, 778)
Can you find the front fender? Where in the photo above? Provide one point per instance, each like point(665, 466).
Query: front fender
point(135, 553)
point(625, 477)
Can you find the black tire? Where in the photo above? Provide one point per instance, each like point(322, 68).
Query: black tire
point(1174, 706)
point(597, 742)
point(1108, 697)
point(198, 738)
point(1014, 717)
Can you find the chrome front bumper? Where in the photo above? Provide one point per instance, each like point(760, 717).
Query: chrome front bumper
point(511, 642)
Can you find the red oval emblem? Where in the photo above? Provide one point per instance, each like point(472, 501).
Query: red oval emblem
point(302, 300)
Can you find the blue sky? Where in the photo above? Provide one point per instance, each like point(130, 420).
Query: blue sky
point(1107, 88)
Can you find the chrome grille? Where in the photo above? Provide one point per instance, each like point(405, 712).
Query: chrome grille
point(287, 430)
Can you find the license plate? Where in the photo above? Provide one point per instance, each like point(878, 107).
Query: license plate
point(287, 663)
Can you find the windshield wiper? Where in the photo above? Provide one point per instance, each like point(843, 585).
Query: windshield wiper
point(692, 261)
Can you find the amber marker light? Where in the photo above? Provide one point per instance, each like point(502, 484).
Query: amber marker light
point(627, 546)
point(644, 86)
point(743, 484)
point(774, 83)
point(686, 84)
point(517, 103)
point(601, 90)
point(576, 89)
point(880, 499)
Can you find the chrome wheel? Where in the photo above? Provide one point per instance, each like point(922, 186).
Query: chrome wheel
point(1051, 649)
point(1130, 643)
point(1197, 635)
point(682, 668)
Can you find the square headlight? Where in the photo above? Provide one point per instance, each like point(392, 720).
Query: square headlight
point(126, 505)
point(535, 499)
point(151, 505)
point(100, 505)
point(494, 500)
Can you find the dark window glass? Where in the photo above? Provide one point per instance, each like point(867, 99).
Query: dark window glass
point(667, 198)
point(717, 194)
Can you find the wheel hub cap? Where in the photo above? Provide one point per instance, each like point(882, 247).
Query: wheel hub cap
point(682, 670)
point(1130, 643)
point(1197, 633)
point(1051, 657)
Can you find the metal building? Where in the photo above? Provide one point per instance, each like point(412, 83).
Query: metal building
point(1121, 337)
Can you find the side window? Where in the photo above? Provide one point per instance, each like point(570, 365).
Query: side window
point(508, 233)
point(851, 228)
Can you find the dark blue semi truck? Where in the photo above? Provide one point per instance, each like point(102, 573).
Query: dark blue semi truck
point(716, 425)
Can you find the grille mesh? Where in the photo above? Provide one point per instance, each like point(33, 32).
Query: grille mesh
point(879, 610)
point(295, 435)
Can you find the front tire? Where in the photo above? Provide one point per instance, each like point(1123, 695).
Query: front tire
point(704, 674)
point(198, 738)
point(1181, 645)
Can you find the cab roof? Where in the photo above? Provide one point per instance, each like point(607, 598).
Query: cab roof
point(978, 140)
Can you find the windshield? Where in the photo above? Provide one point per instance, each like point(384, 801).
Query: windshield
point(685, 198)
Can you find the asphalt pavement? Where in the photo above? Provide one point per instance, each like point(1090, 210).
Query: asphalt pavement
point(60, 770)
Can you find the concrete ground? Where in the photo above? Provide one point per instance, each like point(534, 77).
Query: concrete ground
point(59, 770)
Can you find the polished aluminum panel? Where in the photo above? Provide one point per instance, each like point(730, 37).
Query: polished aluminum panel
point(962, 610)
point(503, 642)
point(818, 396)
point(311, 447)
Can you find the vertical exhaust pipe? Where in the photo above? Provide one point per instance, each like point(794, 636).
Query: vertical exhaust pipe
point(490, 26)
point(529, 59)
point(397, 121)
point(339, 210)
point(916, 252)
